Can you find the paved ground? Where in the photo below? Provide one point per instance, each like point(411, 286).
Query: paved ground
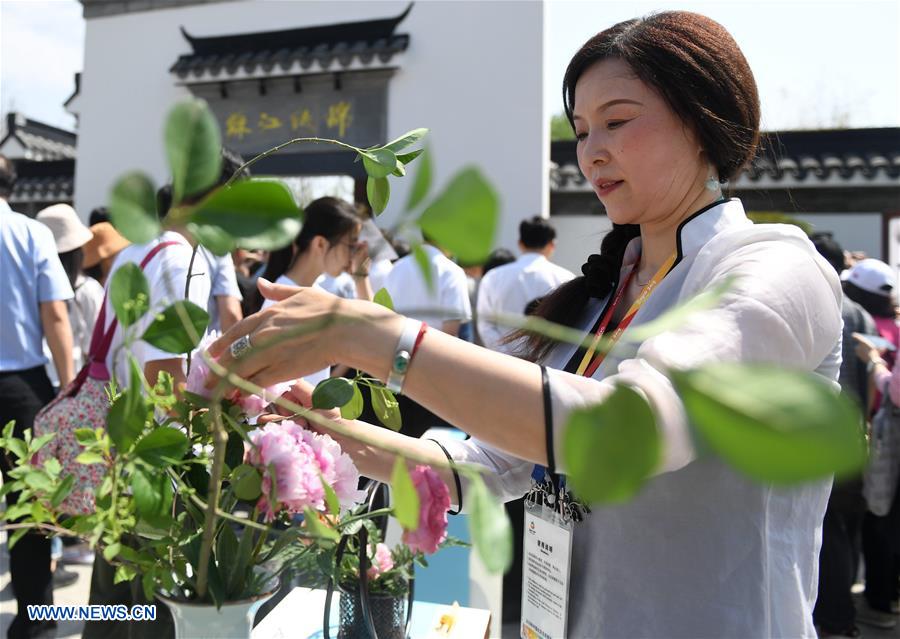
point(77, 594)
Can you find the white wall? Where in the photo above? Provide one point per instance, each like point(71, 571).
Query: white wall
point(472, 74)
point(578, 236)
point(853, 231)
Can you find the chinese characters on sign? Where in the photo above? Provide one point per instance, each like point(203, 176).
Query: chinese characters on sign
point(336, 122)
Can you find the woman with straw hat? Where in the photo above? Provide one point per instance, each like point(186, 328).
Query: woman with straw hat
point(71, 237)
point(100, 252)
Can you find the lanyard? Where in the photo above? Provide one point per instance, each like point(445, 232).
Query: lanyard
point(588, 367)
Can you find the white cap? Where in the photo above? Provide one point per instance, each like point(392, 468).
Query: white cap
point(69, 232)
point(873, 276)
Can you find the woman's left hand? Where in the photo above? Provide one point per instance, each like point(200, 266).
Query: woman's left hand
point(306, 331)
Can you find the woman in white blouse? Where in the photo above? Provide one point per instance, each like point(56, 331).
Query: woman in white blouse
point(665, 109)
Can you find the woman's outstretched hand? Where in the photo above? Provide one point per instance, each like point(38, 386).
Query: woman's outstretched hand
point(306, 331)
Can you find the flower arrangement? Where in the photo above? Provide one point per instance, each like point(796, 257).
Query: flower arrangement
point(198, 501)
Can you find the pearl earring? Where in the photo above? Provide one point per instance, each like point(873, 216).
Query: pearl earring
point(712, 183)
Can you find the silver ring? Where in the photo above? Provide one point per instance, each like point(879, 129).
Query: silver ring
point(241, 346)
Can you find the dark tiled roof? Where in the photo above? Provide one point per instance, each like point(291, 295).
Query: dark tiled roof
point(40, 141)
point(789, 159)
point(44, 181)
point(280, 50)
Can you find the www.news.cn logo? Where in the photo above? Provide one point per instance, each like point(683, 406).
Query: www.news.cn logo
point(92, 613)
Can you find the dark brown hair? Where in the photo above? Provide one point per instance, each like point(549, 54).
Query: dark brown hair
point(697, 67)
point(330, 217)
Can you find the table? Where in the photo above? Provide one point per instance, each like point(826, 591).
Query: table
point(299, 616)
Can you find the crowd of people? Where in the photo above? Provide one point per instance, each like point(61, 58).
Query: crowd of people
point(744, 556)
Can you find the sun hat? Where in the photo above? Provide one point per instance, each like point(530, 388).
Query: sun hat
point(106, 242)
point(873, 276)
point(68, 230)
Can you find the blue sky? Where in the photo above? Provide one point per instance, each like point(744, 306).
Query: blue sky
point(818, 63)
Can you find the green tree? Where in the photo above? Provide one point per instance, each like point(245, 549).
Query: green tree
point(560, 129)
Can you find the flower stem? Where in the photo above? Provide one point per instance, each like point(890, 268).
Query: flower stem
point(276, 149)
point(220, 439)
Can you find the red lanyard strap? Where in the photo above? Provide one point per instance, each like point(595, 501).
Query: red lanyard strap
point(590, 363)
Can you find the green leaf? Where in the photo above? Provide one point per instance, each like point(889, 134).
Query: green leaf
point(404, 495)
point(226, 551)
point(53, 467)
point(379, 163)
point(88, 457)
point(152, 493)
point(384, 298)
point(463, 218)
point(111, 551)
point(316, 527)
point(213, 238)
point(62, 490)
point(38, 480)
point(168, 333)
point(85, 436)
point(238, 574)
point(124, 573)
point(611, 448)
point(489, 527)
point(132, 208)
point(17, 447)
point(234, 450)
point(406, 158)
point(421, 183)
point(247, 483)
point(332, 392)
point(331, 498)
point(424, 263)
point(129, 294)
point(148, 584)
point(386, 406)
point(676, 317)
point(15, 537)
point(772, 424)
point(257, 214)
point(407, 139)
point(354, 408)
point(193, 147)
point(378, 190)
point(161, 446)
point(40, 442)
point(17, 510)
point(126, 418)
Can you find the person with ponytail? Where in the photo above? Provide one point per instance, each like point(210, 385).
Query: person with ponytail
point(665, 111)
point(328, 244)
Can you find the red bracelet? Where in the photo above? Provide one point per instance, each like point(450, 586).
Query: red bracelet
point(419, 337)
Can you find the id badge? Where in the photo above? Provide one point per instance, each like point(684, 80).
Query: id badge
point(546, 565)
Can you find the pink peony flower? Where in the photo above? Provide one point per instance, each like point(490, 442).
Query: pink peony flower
point(337, 467)
point(301, 460)
point(255, 405)
point(199, 372)
point(295, 483)
point(381, 562)
point(434, 501)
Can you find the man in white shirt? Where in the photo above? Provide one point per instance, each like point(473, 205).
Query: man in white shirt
point(510, 288)
point(444, 307)
point(224, 305)
point(34, 290)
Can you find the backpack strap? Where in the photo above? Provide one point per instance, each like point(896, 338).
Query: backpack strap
point(102, 340)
